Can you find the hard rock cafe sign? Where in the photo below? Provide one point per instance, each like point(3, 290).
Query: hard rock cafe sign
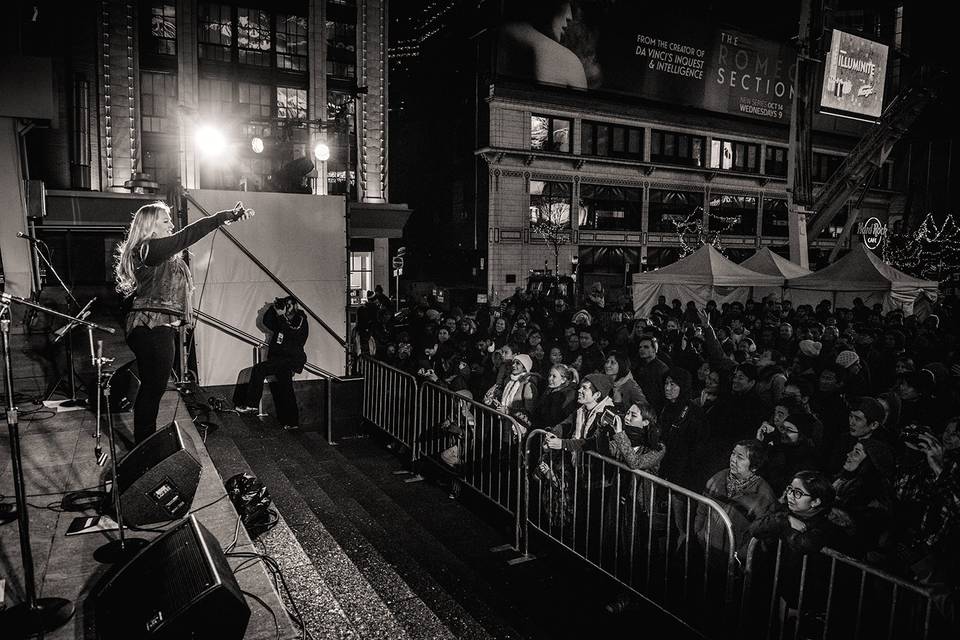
point(872, 232)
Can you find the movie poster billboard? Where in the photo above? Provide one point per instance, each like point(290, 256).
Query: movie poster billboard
point(621, 48)
point(853, 77)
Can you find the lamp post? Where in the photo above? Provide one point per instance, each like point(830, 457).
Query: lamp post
point(321, 152)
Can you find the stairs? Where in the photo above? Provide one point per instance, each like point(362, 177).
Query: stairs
point(367, 555)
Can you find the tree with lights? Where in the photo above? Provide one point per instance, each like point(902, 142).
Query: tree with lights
point(550, 219)
point(931, 252)
point(693, 235)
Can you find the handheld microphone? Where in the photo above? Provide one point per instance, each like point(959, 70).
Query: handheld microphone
point(28, 238)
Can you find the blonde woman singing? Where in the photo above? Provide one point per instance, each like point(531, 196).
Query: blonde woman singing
point(150, 268)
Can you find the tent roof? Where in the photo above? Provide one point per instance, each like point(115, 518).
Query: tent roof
point(859, 270)
point(706, 266)
point(766, 261)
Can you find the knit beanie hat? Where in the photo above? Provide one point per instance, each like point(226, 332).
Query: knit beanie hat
point(525, 360)
point(847, 359)
point(601, 383)
point(810, 348)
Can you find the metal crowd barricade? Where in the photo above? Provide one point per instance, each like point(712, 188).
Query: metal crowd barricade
point(390, 400)
point(635, 527)
point(830, 595)
point(487, 454)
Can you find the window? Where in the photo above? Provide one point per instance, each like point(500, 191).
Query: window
point(158, 102)
point(610, 208)
point(216, 96)
point(775, 217)
point(824, 166)
point(253, 36)
point(667, 207)
point(291, 103)
point(341, 35)
point(550, 202)
point(163, 28)
point(733, 214)
point(601, 139)
point(254, 171)
point(291, 42)
point(550, 134)
point(735, 156)
point(216, 31)
point(338, 69)
point(361, 270)
point(677, 148)
point(776, 162)
point(162, 165)
point(256, 99)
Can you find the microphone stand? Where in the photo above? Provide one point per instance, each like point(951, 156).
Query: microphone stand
point(122, 548)
point(73, 401)
point(34, 616)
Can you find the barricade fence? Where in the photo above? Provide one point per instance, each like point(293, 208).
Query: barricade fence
point(637, 528)
point(669, 545)
point(478, 444)
point(830, 595)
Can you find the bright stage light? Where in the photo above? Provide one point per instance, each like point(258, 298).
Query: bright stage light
point(210, 140)
point(322, 152)
point(257, 144)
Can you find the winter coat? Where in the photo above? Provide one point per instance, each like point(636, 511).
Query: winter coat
point(743, 508)
point(627, 392)
point(555, 405)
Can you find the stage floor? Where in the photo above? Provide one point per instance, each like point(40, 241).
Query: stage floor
point(58, 457)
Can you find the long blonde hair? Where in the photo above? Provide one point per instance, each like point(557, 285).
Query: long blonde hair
point(142, 228)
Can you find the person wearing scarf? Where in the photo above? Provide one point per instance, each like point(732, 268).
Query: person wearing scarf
point(593, 396)
point(636, 439)
point(742, 494)
point(519, 390)
point(626, 392)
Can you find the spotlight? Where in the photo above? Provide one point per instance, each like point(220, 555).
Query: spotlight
point(257, 144)
point(210, 140)
point(322, 151)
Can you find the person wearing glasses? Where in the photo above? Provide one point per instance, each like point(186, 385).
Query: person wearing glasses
point(789, 440)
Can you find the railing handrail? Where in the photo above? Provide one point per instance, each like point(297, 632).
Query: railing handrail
point(926, 592)
point(381, 363)
point(253, 341)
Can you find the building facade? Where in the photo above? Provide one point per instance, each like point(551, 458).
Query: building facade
point(137, 81)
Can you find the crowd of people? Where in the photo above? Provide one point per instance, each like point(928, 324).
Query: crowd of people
point(814, 426)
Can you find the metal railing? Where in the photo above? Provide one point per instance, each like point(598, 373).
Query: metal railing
point(637, 528)
point(488, 449)
point(830, 595)
point(390, 400)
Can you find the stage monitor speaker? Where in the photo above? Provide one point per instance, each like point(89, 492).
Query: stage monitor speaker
point(124, 386)
point(179, 587)
point(158, 478)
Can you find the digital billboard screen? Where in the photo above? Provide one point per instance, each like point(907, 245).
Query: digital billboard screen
point(853, 77)
point(622, 48)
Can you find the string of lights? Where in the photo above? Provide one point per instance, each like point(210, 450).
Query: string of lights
point(932, 251)
point(692, 234)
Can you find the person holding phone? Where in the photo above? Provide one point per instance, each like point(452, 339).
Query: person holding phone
point(152, 273)
point(285, 356)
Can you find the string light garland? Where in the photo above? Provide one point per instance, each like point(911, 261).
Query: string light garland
point(692, 234)
point(931, 252)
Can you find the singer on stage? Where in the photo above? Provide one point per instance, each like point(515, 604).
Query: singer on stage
point(151, 268)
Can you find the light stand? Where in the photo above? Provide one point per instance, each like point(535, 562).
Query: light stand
point(122, 548)
point(35, 615)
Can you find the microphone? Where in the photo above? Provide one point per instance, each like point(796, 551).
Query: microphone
point(28, 238)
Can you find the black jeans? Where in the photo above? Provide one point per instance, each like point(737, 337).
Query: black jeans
point(155, 350)
point(282, 390)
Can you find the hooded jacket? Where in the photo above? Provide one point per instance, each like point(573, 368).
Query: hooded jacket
point(684, 431)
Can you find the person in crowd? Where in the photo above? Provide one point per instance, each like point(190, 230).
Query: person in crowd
point(593, 398)
point(150, 268)
point(559, 400)
point(856, 378)
point(736, 415)
point(591, 357)
point(636, 439)
point(742, 493)
point(626, 391)
point(518, 391)
point(864, 490)
point(649, 371)
point(684, 431)
point(789, 441)
point(864, 419)
point(830, 405)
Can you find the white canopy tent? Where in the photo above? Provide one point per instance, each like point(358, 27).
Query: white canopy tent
point(703, 275)
point(772, 264)
point(860, 274)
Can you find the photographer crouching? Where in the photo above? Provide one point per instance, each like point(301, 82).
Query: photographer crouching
point(285, 357)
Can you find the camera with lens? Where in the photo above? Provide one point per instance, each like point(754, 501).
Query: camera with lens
point(911, 434)
point(607, 420)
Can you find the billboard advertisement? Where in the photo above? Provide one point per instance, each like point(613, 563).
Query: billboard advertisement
point(853, 77)
point(621, 48)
